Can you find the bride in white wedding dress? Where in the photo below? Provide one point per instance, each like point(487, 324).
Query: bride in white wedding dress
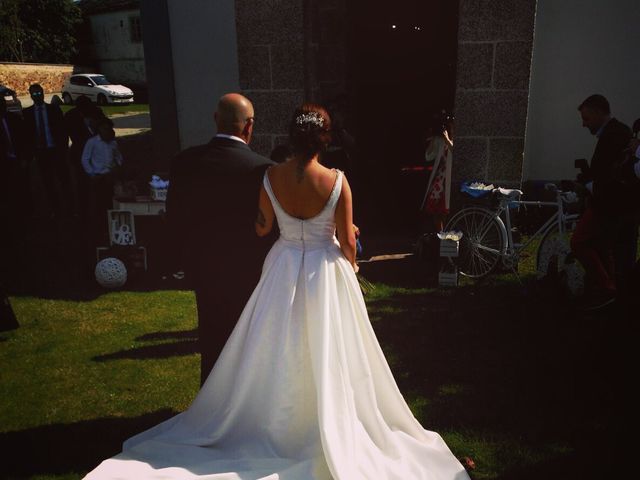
point(302, 390)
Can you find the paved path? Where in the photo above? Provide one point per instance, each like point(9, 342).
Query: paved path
point(131, 123)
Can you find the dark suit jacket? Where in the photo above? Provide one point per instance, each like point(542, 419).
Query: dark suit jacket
point(56, 126)
point(212, 204)
point(17, 132)
point(609, 195)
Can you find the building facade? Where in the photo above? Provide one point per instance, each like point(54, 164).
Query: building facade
point(518, 65)
point(116, 47)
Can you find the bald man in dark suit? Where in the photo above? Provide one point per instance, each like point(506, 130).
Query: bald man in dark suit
point(211, 209)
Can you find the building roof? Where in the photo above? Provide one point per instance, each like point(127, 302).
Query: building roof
point(92, 7)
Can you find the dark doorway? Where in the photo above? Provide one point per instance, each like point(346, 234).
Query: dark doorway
point(401, 70)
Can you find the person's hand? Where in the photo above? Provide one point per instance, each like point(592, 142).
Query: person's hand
point(582, 178)
point(356, 267)
point(356, 230)
point(447, 138)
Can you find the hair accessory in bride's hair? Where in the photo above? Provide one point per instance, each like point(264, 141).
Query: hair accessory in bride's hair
point(313, 118)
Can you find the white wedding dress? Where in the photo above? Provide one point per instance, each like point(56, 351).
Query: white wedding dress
point(301, 391)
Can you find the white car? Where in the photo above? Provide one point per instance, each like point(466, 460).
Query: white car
point(97, 88)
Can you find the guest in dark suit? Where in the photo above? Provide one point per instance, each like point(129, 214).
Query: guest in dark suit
point(605, 228)
point(15, 190)
point(48, 142)
point(15, 194)
point(211, 210)
point(81, 124)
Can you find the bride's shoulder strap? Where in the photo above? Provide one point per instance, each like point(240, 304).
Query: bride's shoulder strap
point(337, 188)
point(267, 186)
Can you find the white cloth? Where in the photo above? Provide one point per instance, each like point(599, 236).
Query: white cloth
point(232, 137)
point(100, 157)
point(438, 147)
point(301, 391)
point(589, 186)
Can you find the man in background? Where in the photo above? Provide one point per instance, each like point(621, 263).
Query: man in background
point(47, 140)
point(602, 239)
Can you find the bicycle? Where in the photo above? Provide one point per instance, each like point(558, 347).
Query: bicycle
point(487, 239)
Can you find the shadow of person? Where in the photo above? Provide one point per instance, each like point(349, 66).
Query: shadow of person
point(182, 334)
point(163, 350)
point(70, 448)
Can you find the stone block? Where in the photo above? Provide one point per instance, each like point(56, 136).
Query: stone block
point(496, 20)
point(268, 22)
point(280, 140)
point(491, 113)
point(505, 159)
point(475, 63)
point(262, 144)
point(255, 67)
point(287, 64)
point(273, 110)
point(469, 159)
point(513, 65)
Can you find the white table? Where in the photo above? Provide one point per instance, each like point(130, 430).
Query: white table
point(140, 206)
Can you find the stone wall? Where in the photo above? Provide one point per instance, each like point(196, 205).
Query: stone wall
point(18, 76)
point(288, 51)
point(495, 39)
point(271, 65)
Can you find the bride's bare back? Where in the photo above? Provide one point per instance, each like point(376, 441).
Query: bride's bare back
point(303, 193)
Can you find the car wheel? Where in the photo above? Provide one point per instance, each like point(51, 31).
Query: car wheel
point(67, 99)
point(102, 100)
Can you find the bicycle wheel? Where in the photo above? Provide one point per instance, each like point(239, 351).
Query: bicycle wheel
point(482, 243)
point(555, 260)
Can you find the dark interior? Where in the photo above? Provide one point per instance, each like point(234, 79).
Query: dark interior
point(398, 77)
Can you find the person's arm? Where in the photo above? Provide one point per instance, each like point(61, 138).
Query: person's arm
point(344, 223)
point(264, 220)
point(86, 156)
point(117, 155)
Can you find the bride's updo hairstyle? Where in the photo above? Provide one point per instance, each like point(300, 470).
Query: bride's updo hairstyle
point(310, 131)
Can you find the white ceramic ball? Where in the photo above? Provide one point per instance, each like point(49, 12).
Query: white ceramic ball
point(111, 273)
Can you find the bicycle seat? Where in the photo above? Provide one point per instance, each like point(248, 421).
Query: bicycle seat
point(509, 192)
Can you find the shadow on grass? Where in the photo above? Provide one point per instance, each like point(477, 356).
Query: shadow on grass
point(510, 362)
point(404, 273)
point(72, 448)
point(182, 334)
point(163, 350)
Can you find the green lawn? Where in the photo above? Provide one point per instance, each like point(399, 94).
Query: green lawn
point(489, 366)
point(111, 110)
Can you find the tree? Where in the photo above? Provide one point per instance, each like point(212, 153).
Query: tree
point(39, 31)
point(12, 32)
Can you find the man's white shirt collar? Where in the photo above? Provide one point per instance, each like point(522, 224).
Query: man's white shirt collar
point(603, 126)
point(232, 137)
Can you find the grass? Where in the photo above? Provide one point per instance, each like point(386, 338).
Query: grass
point(505, 379)
point(111, 110)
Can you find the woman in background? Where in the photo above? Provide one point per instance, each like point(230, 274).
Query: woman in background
point(439, 153)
